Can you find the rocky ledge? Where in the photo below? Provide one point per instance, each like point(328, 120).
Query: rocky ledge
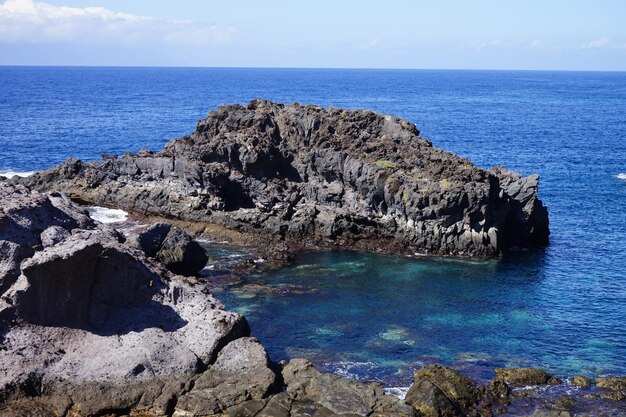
point(315, 177)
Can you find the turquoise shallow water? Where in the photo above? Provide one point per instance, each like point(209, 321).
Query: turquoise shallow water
point(379, 317)
point(375, 317)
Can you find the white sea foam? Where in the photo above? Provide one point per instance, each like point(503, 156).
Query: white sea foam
point(399, 392)
point(11, 174)
point(107, 215)
point(621, 176)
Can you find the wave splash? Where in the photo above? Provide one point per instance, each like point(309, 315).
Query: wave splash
point(11, 174)
point(621, 176)
point(107, 215)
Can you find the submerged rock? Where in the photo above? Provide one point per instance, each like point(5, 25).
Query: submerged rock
point(315, 177)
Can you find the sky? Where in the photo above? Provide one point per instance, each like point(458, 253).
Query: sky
point(420, 34)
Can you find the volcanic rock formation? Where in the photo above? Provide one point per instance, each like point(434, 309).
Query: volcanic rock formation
point(318, 177)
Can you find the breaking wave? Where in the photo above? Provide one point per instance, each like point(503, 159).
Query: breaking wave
point(107, 215)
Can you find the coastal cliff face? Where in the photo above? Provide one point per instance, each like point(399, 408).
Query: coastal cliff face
point(318, 177)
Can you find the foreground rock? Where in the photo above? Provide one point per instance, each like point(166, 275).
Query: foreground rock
point(90, 326)
point(310, 392)
point(318, 177)
point(438, 391)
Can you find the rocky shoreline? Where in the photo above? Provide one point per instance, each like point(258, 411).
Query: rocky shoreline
point(97, 323)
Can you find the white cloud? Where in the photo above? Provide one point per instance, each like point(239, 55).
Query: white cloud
point(372, 44)
point(32, 21)
point(596, 44)
point(495, 43)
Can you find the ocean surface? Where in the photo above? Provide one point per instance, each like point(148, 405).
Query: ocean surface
point(379, 317)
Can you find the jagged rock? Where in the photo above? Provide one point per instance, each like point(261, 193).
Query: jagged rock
point(611, 396)
point(441, 391)
point(456, 386)
point(332, 394)
point(519, 377)
point(430, 401)
point(173, 248)
point(315, 177)
point(241, 373)
point(25, 218)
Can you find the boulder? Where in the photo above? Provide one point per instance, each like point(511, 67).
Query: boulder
point(151, 239)
point(53, 235)
point(520, 377)
point(430, 401)
point(441, 391)
point(174, 248)
point(181, 254)
point(314, 177)
point(335, 395)
point(580, 381)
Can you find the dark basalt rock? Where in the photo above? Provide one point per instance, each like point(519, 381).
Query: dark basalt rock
point(173, 248)
point(318, 177)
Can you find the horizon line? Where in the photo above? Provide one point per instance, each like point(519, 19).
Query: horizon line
point(309, 68)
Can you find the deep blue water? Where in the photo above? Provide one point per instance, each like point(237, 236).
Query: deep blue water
point(377, 317)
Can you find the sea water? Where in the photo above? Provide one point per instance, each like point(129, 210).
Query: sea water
point(378, 317)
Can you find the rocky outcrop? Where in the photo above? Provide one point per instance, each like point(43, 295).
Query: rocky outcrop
point(318, 177)
point(90, 326)
point(334, 395)
point(173, 248)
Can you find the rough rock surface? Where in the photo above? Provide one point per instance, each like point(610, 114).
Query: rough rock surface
point(90, 326)
point(336, 395)
point(173, 248)
point(318, 177)
point(612, 383)
point(519, 377)
point(439, 391)
point(240, 373)
point(580, 381)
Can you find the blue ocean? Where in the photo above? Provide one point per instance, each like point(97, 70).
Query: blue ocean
point(379, 317)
